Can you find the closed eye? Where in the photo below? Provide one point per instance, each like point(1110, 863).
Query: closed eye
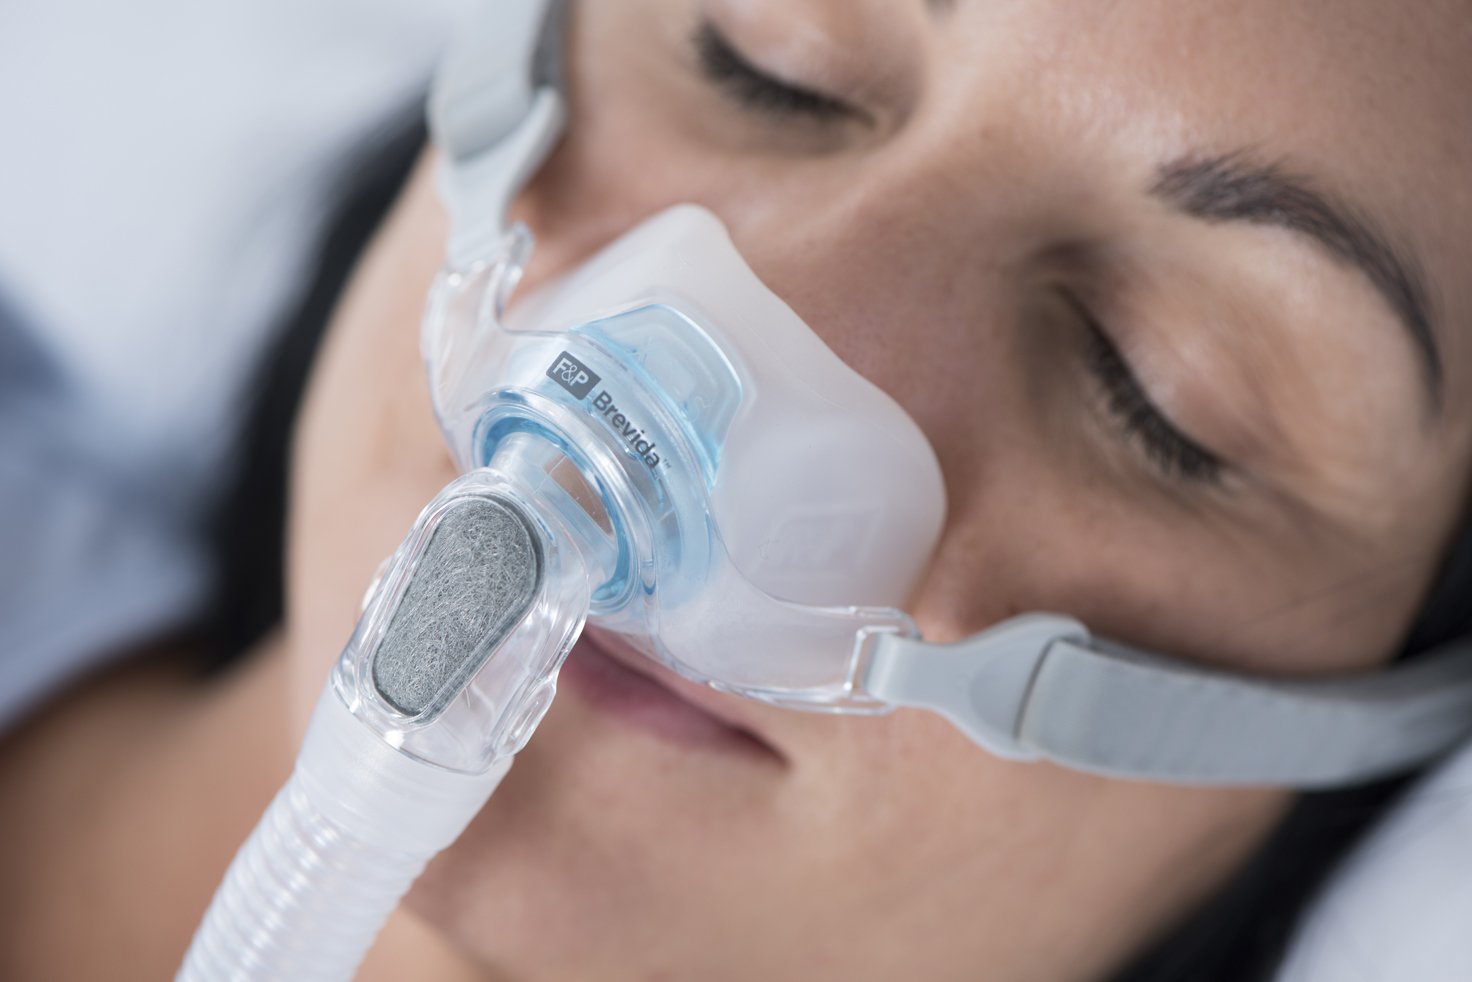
point(757, 91)
point(1140, 420)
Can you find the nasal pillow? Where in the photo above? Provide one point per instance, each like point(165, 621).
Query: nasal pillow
point(657, 445)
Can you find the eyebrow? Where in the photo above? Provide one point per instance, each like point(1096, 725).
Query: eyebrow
point(1231, 188)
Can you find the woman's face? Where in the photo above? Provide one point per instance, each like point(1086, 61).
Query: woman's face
point(1175, 291)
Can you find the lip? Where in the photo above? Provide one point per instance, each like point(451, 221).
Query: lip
point(609, 676)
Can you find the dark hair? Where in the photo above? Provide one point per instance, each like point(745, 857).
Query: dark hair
point(1239, 935)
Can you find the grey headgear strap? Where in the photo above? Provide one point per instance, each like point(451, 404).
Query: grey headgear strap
point(495, 113)
point(1037, 686)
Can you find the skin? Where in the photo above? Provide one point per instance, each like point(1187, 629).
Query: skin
point(998, 153)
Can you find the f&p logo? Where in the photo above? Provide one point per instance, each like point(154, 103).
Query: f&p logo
point(572, 375)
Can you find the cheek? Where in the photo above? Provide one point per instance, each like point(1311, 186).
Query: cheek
point(987, 843)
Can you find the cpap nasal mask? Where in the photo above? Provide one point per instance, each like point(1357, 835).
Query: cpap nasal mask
point(658, 446)
point(713, 461)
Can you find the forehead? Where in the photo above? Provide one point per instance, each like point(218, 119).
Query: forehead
point(1373, 100)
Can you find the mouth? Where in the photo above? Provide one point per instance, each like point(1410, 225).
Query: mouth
point(626, 685)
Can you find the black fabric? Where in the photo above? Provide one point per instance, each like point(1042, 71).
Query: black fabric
point(1239, 935)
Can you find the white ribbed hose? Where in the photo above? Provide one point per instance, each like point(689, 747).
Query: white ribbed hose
point(337, 848)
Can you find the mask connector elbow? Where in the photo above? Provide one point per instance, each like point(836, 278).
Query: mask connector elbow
point(451, 667)
point(460, 643)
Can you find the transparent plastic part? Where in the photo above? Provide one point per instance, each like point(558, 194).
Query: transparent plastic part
point(615, 428)
point(376, 792)
point(494, 711)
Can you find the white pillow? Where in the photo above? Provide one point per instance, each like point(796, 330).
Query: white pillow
point(1400, 909)
point(167, 168)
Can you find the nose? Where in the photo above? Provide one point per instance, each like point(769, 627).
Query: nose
point(922, 306)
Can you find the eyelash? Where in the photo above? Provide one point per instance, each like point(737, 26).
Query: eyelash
point(755, 90)
point(1170, 450)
